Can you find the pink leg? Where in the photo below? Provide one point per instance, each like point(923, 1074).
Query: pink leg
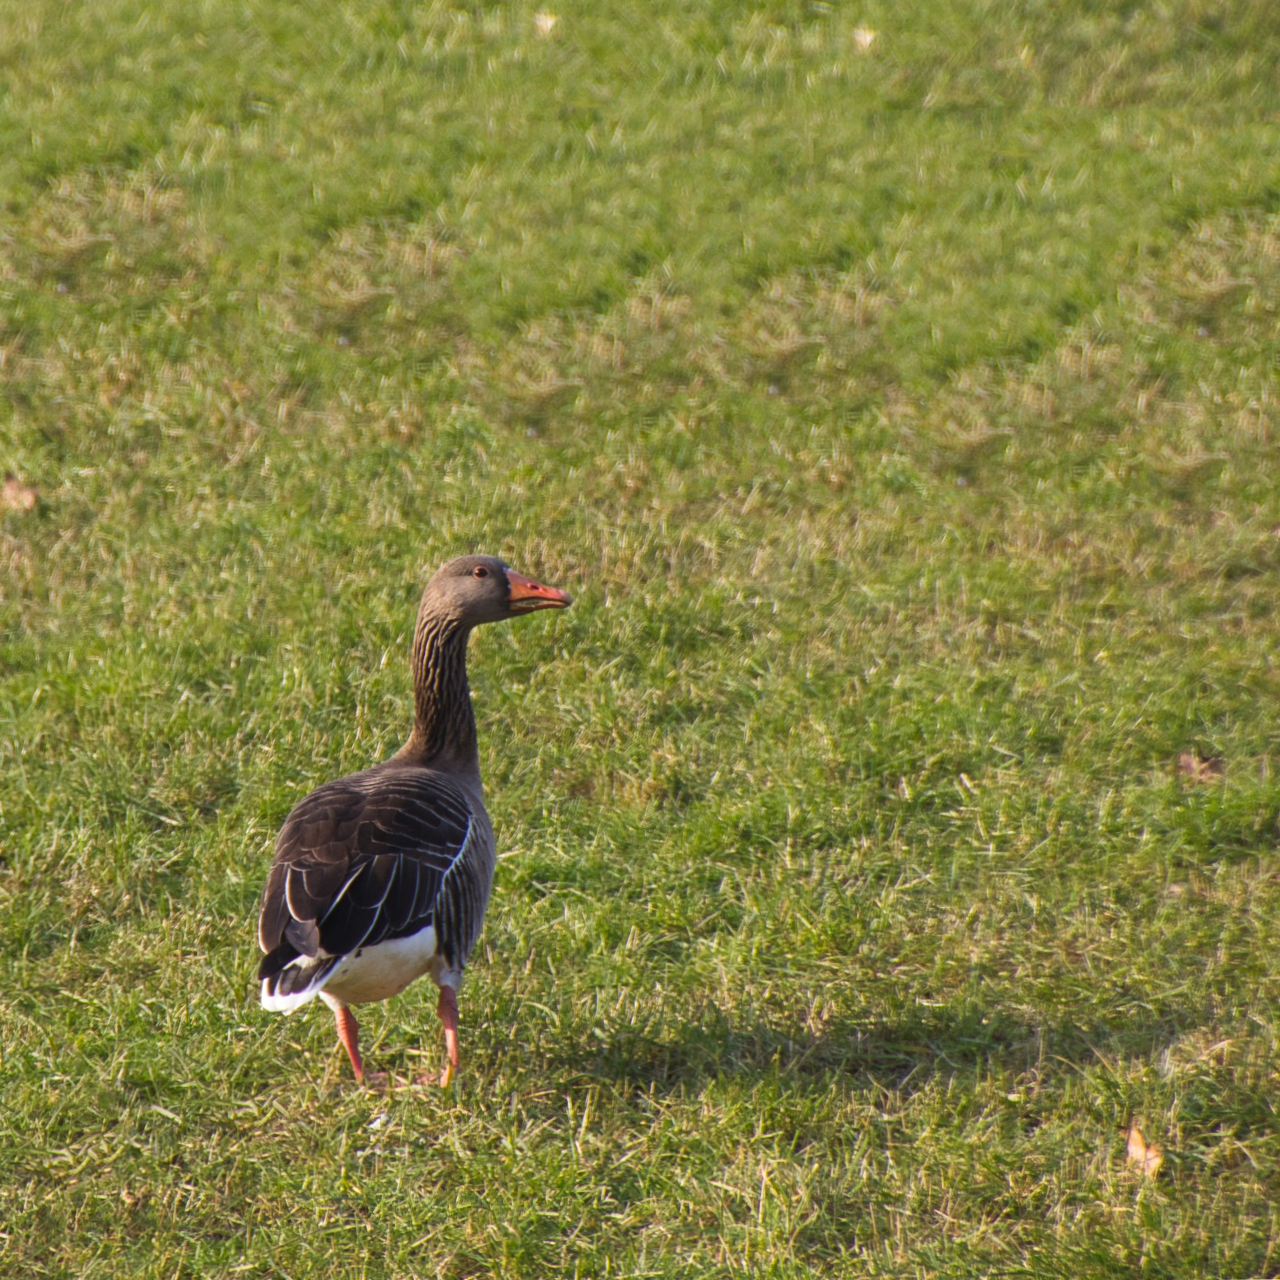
point(448, 1011)
point(349, 1034)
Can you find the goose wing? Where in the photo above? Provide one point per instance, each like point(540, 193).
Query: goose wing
point(360, 861)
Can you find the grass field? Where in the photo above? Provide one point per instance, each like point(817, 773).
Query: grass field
point(902, 412)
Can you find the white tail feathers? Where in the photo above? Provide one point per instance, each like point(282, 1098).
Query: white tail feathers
point(296, 984)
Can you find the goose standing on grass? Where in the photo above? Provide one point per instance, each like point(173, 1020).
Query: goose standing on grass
point(383, 876)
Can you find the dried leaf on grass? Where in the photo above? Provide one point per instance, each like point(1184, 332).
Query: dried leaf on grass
point(1146, 1156)
point(1200, 770)
point(16, 496)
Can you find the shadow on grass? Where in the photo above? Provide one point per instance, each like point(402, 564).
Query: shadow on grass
point(903, 1054)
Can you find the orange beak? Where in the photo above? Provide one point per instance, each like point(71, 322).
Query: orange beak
point(527, 595)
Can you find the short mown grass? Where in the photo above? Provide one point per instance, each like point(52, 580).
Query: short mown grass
point(902, 413)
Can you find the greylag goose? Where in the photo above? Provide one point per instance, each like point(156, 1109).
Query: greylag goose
point(384, 875)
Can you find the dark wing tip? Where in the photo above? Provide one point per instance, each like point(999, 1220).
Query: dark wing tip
point(304, 935)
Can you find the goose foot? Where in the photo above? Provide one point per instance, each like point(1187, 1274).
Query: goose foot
point(448, 1012)
point(349, 1036)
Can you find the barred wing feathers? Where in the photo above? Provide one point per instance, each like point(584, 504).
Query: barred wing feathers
point(363, 860)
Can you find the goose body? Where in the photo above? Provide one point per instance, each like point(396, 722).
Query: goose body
point(383, 876)
point(378, 878)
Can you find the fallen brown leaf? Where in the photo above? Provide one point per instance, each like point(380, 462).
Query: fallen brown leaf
point(1146, 1155)
point(1198, 769)
point(16, 496)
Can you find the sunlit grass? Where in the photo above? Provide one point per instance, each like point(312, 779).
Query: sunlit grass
point(900, 413)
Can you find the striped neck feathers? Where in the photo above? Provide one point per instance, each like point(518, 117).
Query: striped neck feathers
point(444, 726)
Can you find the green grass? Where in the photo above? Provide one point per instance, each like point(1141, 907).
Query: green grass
point(904, 423)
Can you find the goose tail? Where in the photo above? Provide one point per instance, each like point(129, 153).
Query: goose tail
point(289, 980)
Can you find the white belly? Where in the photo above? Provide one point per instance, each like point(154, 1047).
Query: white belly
point(383, 970)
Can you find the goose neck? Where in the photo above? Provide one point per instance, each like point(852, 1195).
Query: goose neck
point(444, 726)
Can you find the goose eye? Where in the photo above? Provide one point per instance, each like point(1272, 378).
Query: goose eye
point(480, 571)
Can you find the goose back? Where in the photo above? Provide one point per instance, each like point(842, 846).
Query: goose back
point(395, 852)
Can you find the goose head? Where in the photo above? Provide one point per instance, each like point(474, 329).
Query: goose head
point(477, 589)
